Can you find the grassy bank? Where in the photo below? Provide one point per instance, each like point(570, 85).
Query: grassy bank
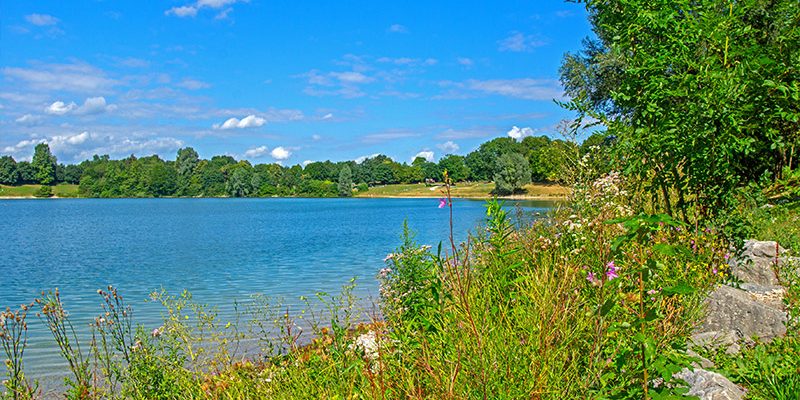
point(62, 190)
point(575, 309)
point(463, 190)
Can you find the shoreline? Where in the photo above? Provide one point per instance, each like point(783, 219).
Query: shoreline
point(512, 197)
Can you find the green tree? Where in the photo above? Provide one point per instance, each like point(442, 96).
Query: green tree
point(456, 167)
point(513, 172)
point(8, 171)
point(44, 163)
point(240, 180)
point(186, 161)
point(345, 184)
point(482, 163)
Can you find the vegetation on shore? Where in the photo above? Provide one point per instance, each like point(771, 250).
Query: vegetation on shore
point(511, 164)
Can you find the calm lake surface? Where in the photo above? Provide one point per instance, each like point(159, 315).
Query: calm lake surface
point(221, 250)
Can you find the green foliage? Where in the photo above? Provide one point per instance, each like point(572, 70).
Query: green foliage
point(698, 93)
point(345, 183)
point(512, 173)
point(44, 191)
point(44, 164)
point(8, 171)
point(455, 166)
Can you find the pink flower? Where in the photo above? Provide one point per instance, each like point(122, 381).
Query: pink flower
point(442, 202)
point(611, 271)
point(591, 278)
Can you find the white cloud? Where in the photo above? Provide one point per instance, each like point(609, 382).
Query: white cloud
point(92, 105)
point(280, 153)
point(327, 116)
point(526, 88)
point(518, 42)
point(467, 62)
point(193, 84)
point(95, 105)
point(182, 11)
point(22, 145)
point(448, 147)
point(519, 133)
point(60, 108)
point(426, 154)
point(316, 137)
point(306, 162)
point(351, 77)
point(41, 19)
point(77, 77)
point(190, 10)
point(250, 121)
point(256, 152)
point(397, 28)
point(28, 120)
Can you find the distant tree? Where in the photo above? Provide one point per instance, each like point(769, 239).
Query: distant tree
point(73, 173)
point(44, 163)
point(240, 180)
point(513, 172)
point(345, 184)
point(482, 162)
point(456, 167)
point(8, 171)
point(186, 161)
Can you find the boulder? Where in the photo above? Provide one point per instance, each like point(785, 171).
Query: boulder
point(733, 314)
point(757, 262)
point(709, 385)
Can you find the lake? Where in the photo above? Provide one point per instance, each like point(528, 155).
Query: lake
point(221, 250)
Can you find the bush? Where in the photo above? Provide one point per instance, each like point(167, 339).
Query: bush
point(44, 191)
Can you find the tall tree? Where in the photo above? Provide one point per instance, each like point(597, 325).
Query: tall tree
point(345, 184)
point(513, 172)
point(186, 161)
point(44, 163)
point(8, 171)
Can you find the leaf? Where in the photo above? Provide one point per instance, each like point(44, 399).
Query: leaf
point(607, 307)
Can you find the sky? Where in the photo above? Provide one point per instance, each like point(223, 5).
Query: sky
point(280, 81)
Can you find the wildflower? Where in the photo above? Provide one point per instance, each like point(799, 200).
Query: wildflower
point(727, 256)
point(442, 202)
point(591, 278)
point(611, 271)
point(714, 270)
point(388, 257)
point(156, 332)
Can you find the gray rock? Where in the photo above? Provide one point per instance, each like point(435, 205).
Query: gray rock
point(733, 314)
point(709, 385)
point(757, 262)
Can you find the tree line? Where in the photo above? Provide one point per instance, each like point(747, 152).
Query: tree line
point(509, 162)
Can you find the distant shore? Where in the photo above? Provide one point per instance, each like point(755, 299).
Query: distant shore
point(470, 190)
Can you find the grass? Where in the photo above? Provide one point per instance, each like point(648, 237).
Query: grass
point(463, 190)
point(62, 190)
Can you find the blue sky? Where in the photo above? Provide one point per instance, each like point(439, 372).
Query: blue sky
point(270, 80)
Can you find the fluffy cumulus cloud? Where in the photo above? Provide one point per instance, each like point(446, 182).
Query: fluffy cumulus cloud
point(426, 154)
point(83, 145)
point(448, 147)
point(41, 19)
point(280, 153)
point(250, 121)
point(91, 106)
point(95, 105)
point(60, 108)
point(361, 159)
point(256, 152)
point(519, 133)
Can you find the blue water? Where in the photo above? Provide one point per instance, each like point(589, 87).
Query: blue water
point(221, 250)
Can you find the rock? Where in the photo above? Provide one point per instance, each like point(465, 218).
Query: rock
point(733, 314)
point(709, 385)
point(757, 263)
point(768, 295)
